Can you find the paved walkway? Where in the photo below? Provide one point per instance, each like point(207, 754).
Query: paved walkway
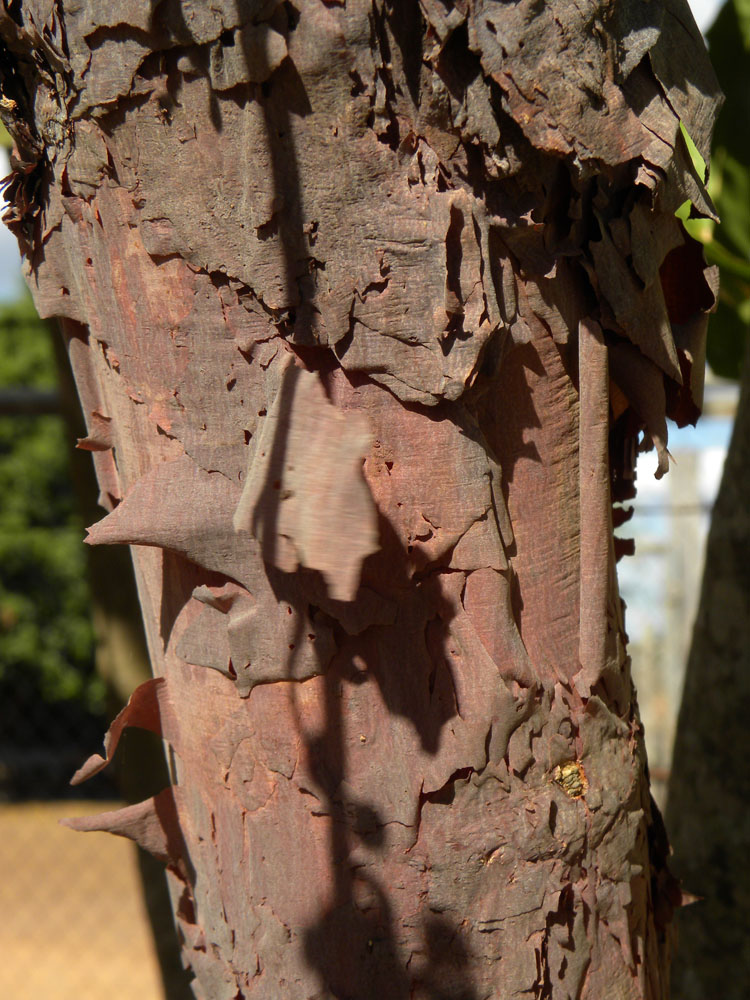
point(72, 922)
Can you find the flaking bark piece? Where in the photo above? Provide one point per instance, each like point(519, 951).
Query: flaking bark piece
point(99, 437)
point(153, 824)
point(105, 71)
point(234, 628)
point(154, 512)
point(457, 515)
point(205, 642)
point(596, 527)
point(146, 709)
point(641, 312)
point(690, 84)
point(92, 405)
point(543, 59)
point(305, 497)
point(255, 659)
point(643, 385)
point(256, 51)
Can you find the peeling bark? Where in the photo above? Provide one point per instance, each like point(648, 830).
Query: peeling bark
point(369, 306)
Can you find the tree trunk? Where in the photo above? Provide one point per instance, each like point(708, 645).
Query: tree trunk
point(122, 661)
point(368, 305)
point(709, 788)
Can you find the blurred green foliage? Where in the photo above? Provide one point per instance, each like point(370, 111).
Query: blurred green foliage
point(728, 243)
point(46, 637)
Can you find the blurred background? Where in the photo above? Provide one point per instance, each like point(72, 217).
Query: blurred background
point(66, 669)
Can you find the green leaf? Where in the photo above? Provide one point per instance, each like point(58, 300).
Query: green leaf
point(742, 8)
point(728, 243)
point(698, 162)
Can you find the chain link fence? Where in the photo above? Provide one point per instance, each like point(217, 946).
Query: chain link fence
point(74, 921)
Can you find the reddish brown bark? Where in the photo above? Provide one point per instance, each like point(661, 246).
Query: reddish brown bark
point(365, 309)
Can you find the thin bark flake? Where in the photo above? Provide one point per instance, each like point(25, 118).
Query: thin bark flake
point(305, 498)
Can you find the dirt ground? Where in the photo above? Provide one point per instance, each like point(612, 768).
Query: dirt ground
point(72, 922)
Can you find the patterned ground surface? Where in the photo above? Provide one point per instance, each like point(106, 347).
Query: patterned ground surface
point(72, 922)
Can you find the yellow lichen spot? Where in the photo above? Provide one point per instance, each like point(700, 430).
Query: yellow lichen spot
point(571, 777)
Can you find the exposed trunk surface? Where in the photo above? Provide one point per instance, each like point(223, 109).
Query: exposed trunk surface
point(122, 661)
point(709, 789)
point(368, 305)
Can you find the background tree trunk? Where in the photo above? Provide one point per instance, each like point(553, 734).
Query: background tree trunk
point(709, 786)
point(368, 306)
